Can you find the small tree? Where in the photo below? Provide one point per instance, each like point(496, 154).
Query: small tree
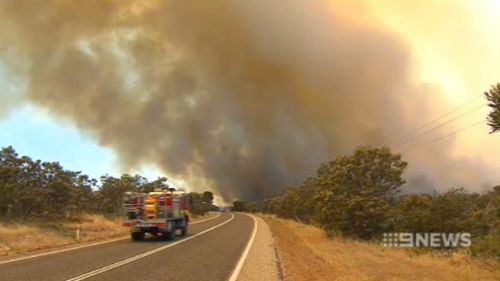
point(493, 97)
point(200, 203)
point(355, 192)
point(208, 197)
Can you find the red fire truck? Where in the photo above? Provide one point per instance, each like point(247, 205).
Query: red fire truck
point(159, 213)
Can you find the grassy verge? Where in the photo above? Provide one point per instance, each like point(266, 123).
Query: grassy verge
point(308, 254)
point(21, 238)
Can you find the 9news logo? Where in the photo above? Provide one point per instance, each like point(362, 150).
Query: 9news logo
point(426, 240)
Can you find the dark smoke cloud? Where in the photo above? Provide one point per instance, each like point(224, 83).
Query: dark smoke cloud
point(244, 96)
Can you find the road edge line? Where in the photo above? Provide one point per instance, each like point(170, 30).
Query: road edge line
point(243, 257)
point(206, 219)
point(143, 255)
point(85, 245)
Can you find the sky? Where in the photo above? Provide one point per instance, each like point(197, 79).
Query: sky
point(454, 48)
point(31, 132)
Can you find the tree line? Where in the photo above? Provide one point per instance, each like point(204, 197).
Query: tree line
point(359, 196)
point(32, 189)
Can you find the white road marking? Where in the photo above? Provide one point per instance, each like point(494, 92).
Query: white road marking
point(207, 219)
point(143, 255)
point(61, 250)
point(243, 257)
point(85, 245)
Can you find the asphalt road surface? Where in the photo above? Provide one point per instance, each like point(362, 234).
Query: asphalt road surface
point(209, 252)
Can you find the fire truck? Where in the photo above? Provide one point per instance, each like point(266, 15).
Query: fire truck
point(160, 213)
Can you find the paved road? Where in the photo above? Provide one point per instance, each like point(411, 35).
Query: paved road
point(209, 256)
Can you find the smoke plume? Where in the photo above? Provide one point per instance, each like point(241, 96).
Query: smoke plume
point(244, 96)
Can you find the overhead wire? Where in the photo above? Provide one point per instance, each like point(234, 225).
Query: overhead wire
point(420, 132)
point(423, 133)
point(444, 136)
point(417, 130)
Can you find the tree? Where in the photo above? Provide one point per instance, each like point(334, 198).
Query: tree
point(35, 189)
point(158, 184)
point(208, 197)
point(455, 210)
point(239, 206)
point(411, 214)
point(296, 203)
point(245, 206)
point(355, 192)
point(200, 203)
point(110, 195)
point(493, 97)
point(9, 170)
point(85, 197)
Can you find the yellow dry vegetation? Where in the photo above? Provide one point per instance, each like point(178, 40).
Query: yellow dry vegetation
point(308, 254)
point(20, 238)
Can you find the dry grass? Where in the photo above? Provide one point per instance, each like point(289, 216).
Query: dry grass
point(309, 255)
point(19, 238)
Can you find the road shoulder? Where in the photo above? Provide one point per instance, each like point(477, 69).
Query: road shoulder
point(262, 262)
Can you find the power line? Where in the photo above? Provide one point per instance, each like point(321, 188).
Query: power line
point(409, 135)
point(445, 136)
point(438, 126)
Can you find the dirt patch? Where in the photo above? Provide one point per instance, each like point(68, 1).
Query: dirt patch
point(308, 254)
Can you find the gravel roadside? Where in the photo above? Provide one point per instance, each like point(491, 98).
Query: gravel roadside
point(262, 262)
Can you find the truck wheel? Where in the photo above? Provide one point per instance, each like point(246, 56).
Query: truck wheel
point(184, 230)
point(170, 235)
point(137, 236)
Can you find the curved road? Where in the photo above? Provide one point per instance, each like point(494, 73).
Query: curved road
point(211, 251)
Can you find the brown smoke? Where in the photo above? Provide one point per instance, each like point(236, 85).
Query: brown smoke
point(248, 95)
